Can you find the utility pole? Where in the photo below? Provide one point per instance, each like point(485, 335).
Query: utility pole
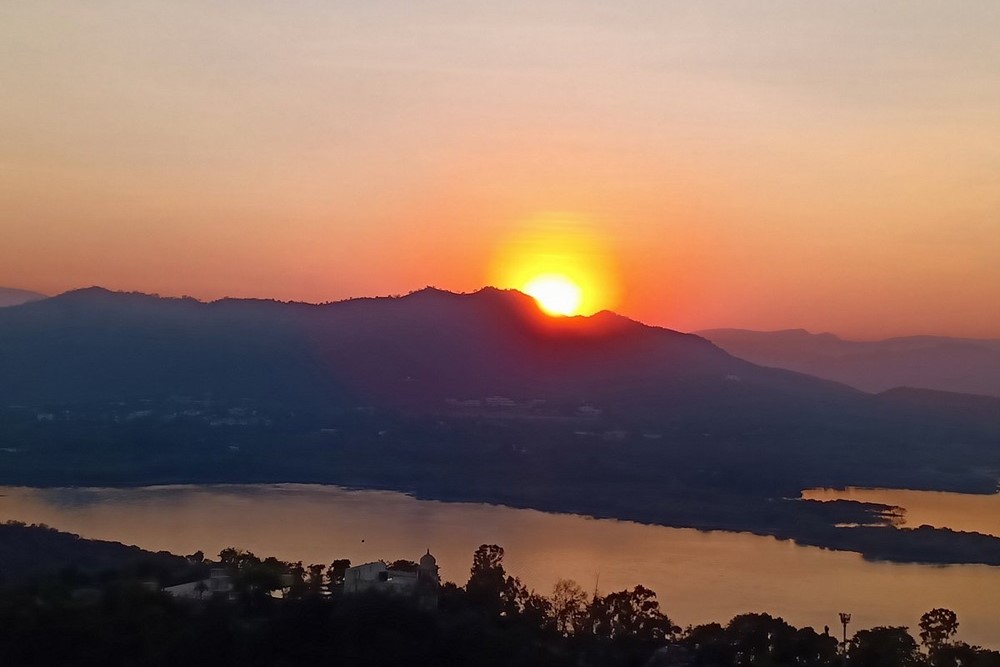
point(845, 619)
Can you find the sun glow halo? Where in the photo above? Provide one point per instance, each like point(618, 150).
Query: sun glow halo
point(562, 260)
point(556, 294)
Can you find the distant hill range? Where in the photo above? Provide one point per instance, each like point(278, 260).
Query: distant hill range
point(487, 353)
point(477, 397)
point(15, 297)
point(964, 365)
point(428, 350)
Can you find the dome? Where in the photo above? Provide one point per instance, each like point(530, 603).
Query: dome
point(427, 560)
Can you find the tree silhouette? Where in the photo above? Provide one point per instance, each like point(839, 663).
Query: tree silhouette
point(488, 558)
point(711, 643)
point(314, 582)
point(237, 558)
point(403, 565)
point(41, 624)
point(258, 578)
point(569, 605)
point(489, 587)
point(634, 613)
point(337, 570)
point(760, 639)
point(937, 627)
point(960, 654)
point(535, 610)
point(883, 647)
point(808, 647)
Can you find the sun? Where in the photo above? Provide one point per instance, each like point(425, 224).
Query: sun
point(563, 260)
point(556, 294)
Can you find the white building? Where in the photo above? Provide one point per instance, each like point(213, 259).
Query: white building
point(422, 584)
point(219, 582)
point(378, 577)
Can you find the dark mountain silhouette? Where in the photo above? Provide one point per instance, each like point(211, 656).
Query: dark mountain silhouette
point(15, 297)
point(475, 397)
point(432, 350)
point(962, 365)
point(415, 351)
point(30, 551)
point(95, 345)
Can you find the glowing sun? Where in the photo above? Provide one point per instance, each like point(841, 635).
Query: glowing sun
point(555, 293)
point(563, 260)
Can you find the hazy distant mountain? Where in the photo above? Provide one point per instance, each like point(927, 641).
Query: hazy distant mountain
point(15, 297)
point(961, 365)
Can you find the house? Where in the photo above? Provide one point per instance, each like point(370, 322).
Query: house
point(219, 582)
point(422, 584)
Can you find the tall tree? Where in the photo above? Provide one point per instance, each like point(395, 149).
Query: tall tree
point(237, 558)
point(338, 568)
point(489, 587)
point(937, 628)
point(635, 613)
point(883, 647)
point(569, 604)
point(314, 581)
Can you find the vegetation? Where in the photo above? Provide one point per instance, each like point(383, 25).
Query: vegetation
point(30, 551)
point(283, 613)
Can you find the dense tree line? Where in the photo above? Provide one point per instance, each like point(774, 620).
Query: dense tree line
point(285, 613)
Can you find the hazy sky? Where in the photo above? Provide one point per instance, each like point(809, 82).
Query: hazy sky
point(830, 165)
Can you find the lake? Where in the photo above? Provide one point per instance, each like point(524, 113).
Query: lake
point(698, 576)
point(958, 511)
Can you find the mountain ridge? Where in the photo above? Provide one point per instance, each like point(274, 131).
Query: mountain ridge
point(540, 350)
point(10, 296)
point(476, 397)
point(960, 365)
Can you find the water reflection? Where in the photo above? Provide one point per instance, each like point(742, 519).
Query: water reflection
point(958, 511)
point(699, 576)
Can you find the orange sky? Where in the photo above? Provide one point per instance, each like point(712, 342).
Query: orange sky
point(834, 166)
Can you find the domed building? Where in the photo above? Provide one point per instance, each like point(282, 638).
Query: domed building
point(404, 578)
point(428, 582)
point(429, 568)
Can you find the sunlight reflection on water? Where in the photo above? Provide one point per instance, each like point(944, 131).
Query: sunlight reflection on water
point(698, 576)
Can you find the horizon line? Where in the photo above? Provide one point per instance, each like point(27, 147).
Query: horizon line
point(699, 331)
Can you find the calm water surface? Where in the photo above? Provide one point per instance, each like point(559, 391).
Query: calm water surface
point(958, 511)
point(699, 577)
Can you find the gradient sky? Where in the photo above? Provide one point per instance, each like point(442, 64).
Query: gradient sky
point(834, 165)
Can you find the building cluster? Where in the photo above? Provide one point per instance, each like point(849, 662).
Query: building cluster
point(419, 581)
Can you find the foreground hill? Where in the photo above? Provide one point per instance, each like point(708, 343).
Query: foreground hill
point(963, 365)
point(31, 551)
point(474, 397)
